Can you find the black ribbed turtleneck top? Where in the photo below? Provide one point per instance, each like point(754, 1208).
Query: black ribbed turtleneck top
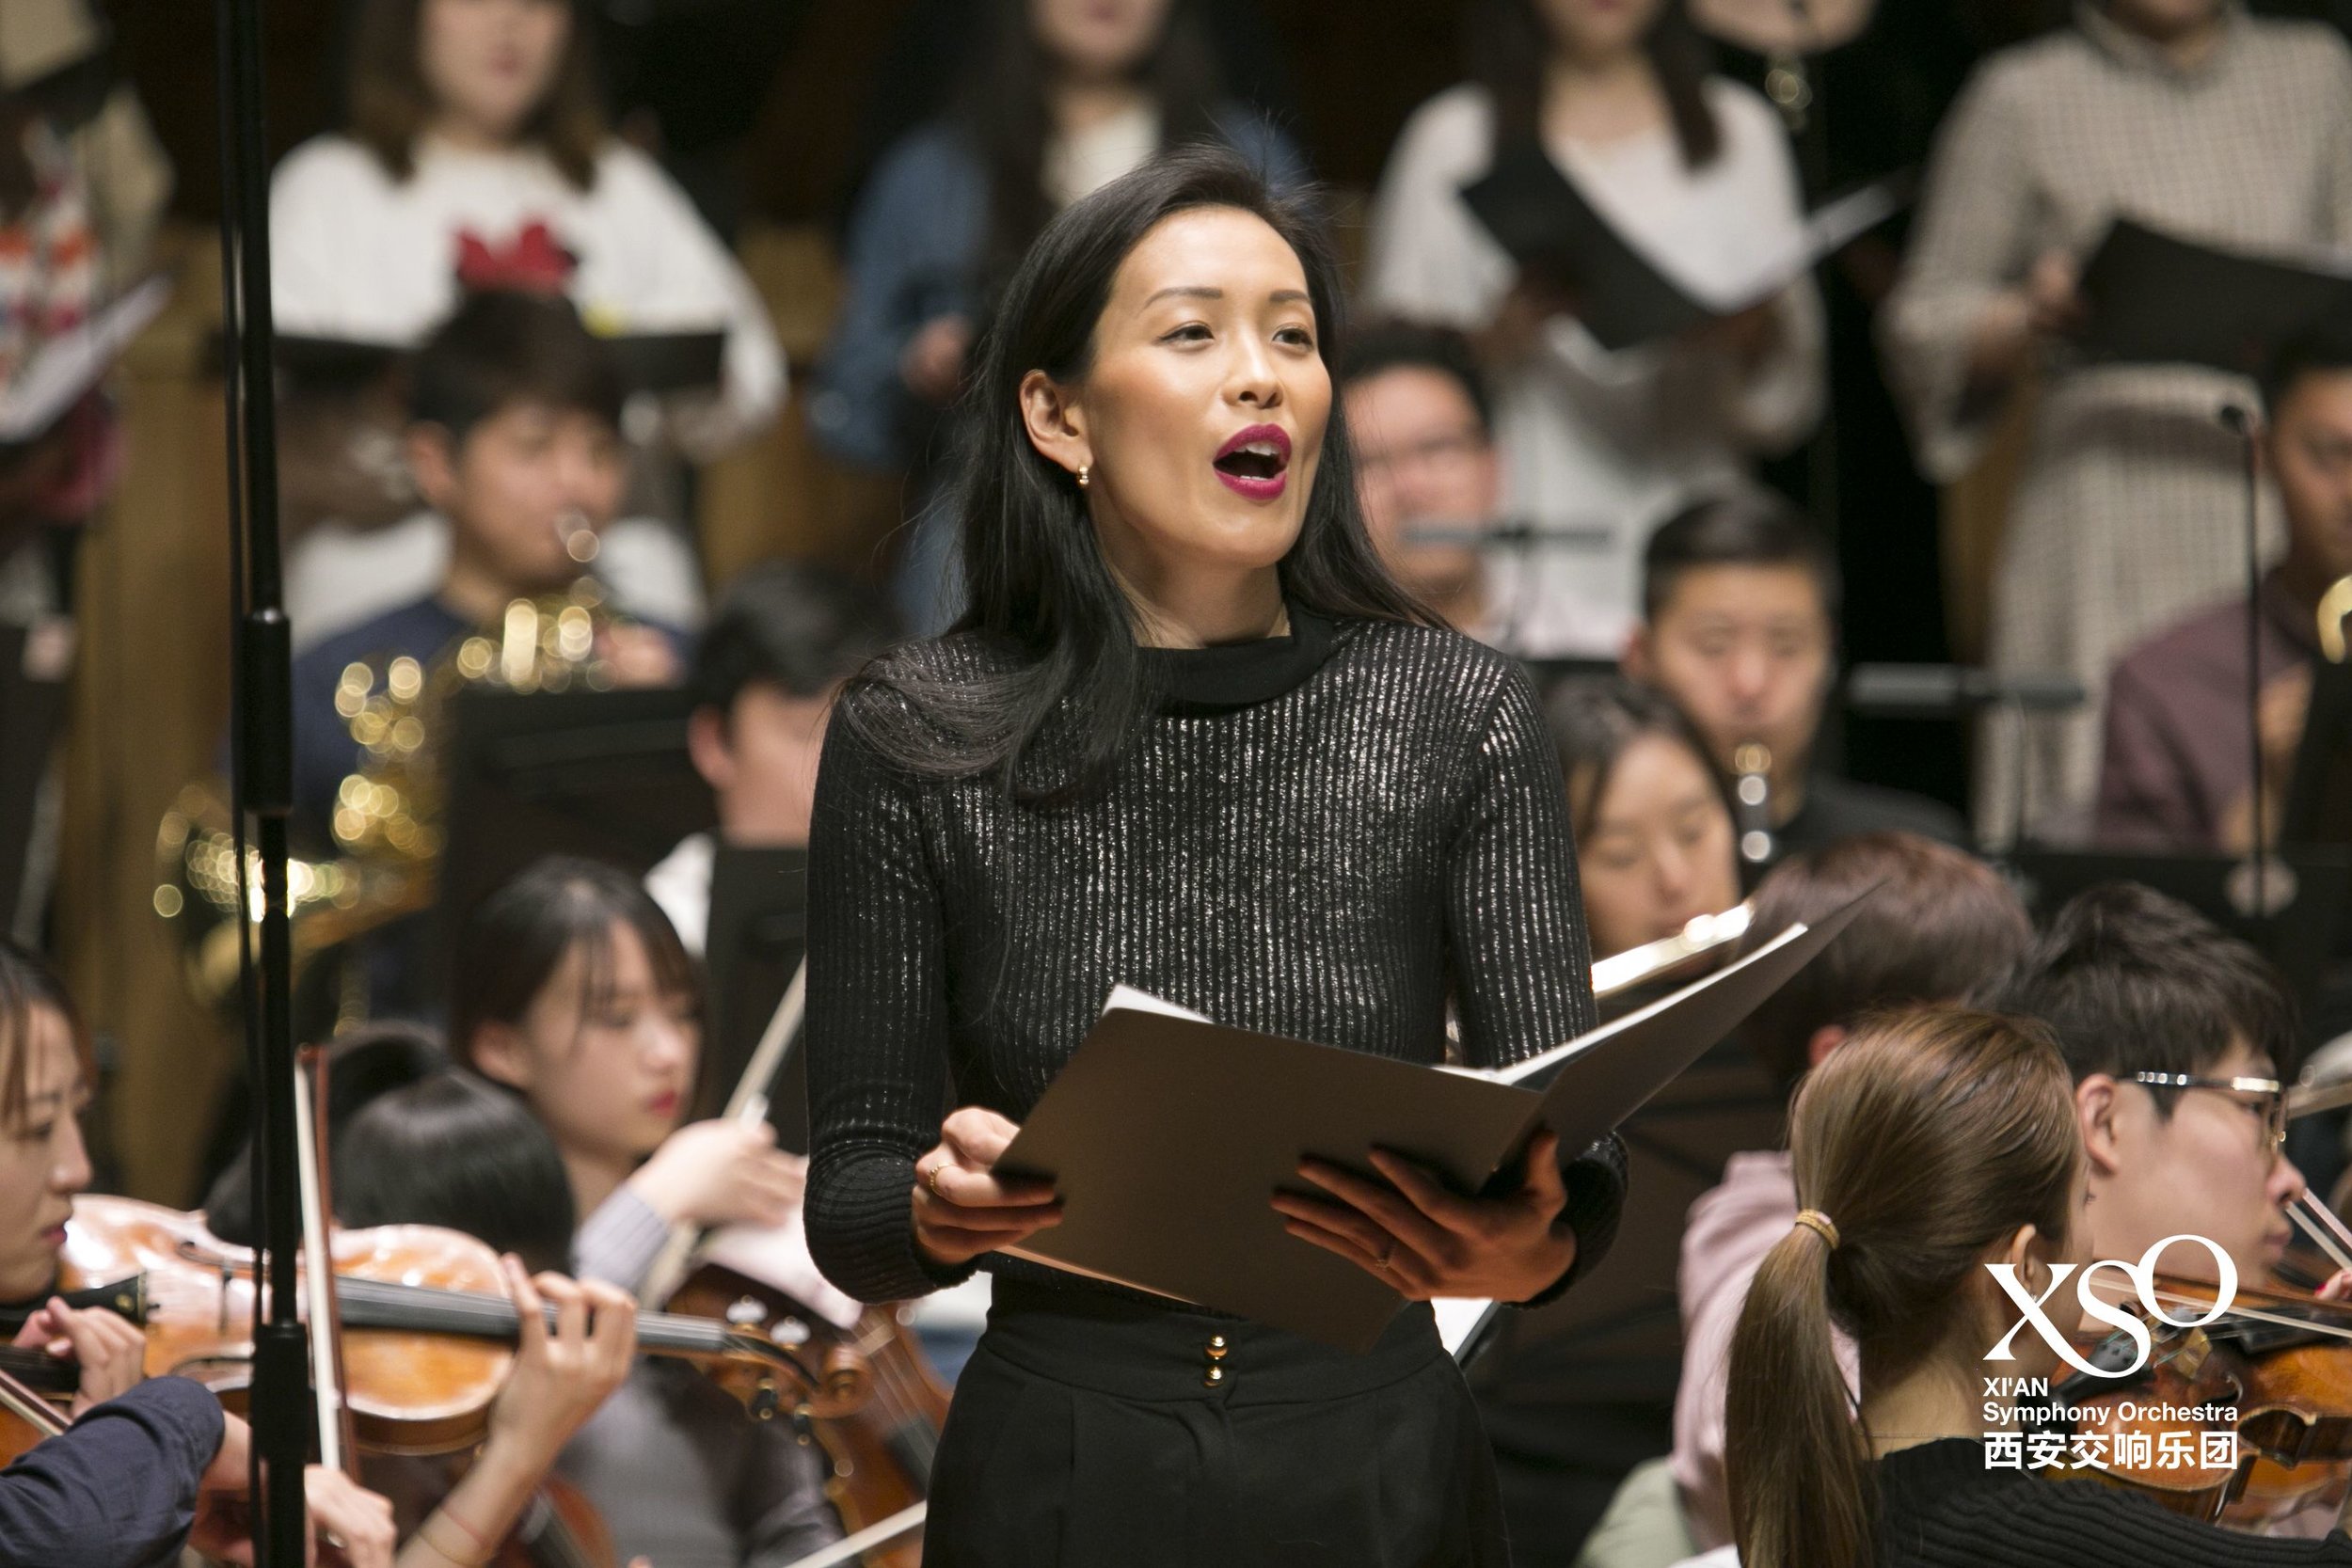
point(1330, 835)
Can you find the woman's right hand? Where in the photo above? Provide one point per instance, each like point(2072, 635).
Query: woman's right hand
point(1519, 321)
point(561, 1376)
point(962, 1206)
point(719, 1173)
point(2047, 304)
point(2054, 298)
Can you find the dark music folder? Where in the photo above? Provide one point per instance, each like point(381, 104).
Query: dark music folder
point(2155, 298)
point(604, 774)
point(1167, 1135)
point(1623, 296)
point(2305, 888)
point(657, 362)
point(757, 934)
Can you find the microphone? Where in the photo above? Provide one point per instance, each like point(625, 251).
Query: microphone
point(1948, 690)
point(1510, 531)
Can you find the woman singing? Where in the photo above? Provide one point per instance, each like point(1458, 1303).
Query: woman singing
point(1191, 737)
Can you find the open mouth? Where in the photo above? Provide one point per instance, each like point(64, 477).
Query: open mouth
point(1255, 461)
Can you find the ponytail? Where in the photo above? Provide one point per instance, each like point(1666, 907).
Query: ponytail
point(1802, 1489)
point(1922, 1144)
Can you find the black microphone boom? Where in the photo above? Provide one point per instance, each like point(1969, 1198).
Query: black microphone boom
point(1949, 690)
point(2241, 424)
point(261, 784)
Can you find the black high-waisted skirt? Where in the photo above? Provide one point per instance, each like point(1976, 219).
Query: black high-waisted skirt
point(1090, 1430)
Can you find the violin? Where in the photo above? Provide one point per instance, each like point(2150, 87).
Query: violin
point(32, 1385)
point(559, 1528)
point(427, 1325)
point(2279, 1356)
point(878, 1455)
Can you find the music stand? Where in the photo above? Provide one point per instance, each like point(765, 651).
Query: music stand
point(2319, 791)
point(2299, 934)
point(603, 774)
point(758, 933)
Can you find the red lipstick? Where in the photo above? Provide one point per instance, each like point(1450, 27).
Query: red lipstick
point(1255, 462)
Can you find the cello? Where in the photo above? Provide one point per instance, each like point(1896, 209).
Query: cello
point(879, 1454)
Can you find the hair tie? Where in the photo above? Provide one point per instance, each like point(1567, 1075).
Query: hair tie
point(1821, 1225)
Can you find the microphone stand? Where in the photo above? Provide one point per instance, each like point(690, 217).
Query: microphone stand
point(261, 784)
point(2241, 423)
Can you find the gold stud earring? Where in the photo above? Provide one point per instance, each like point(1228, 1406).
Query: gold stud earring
point(1086, 473)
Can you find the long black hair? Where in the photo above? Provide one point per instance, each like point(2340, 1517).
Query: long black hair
point(1594, 720)
point(1003, 106)
point(453, 1150)
point(1056, 631)
point(519, 936)
point(363, 1064)
point(27, 983)
point(1509, 44)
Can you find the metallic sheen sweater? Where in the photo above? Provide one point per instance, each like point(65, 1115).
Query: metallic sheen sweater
point(1332, 836)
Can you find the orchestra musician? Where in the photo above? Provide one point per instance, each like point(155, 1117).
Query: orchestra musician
point(572, 990)
point(2179, 1038)
point(2159, 1012)
point(783, 638)
point(515, 437)
point(1191, 736)
point(1929, 1144)
point(1936, 924)
point(1653, 831)
point(150, 1464)
point(412, 1140)
point(1739, 607)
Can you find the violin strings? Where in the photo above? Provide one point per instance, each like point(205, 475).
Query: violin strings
point(2246, 1314)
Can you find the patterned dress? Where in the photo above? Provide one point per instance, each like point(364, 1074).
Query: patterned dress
point(2128, 511)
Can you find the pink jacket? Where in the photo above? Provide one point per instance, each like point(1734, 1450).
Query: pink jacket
point(1731, 1228)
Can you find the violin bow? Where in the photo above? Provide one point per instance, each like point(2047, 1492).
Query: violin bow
point(338, 1448)
point(2327, 1232)
point(746, 1107)
point(29, 1407)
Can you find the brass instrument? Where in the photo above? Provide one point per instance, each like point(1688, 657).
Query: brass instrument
point(1752, 800)
point(387, 821)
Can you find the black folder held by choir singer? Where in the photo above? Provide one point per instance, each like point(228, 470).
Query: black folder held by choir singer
point(1165, 1136)
point(1624, 297)
point(2157, 299)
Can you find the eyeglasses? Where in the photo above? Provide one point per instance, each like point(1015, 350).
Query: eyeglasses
point(1453, 446)
point(2268, 1101)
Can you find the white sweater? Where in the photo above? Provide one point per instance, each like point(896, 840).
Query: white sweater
point(1588, 437)
point(359, 256)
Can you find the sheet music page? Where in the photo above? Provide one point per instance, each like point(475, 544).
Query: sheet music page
point(65, 367)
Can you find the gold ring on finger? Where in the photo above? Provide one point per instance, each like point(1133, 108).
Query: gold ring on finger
point(932, 1182)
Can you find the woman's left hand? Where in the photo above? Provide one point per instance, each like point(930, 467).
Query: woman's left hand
point(110, 1351)
point(1424, 1242)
